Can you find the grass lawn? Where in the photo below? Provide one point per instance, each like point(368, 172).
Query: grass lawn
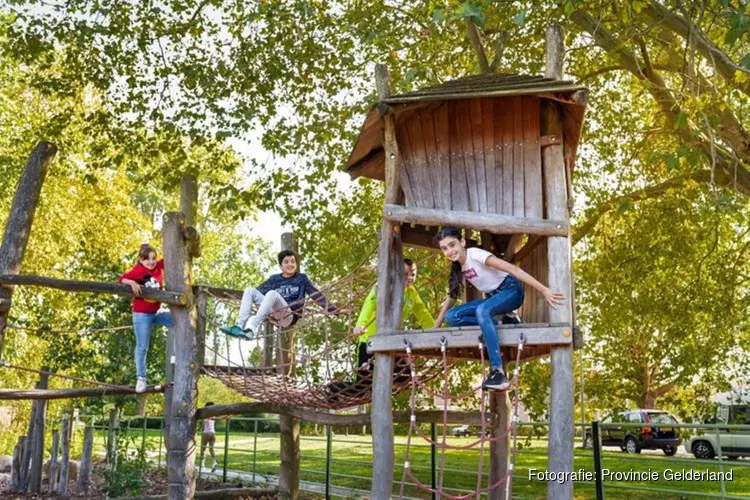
point(352, 465)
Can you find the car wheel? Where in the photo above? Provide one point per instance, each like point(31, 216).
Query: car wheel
point(631, 445)
point(670, 450)
point(588, 442)
point(703, 450)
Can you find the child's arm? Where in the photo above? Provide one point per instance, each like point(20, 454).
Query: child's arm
point(552, 297)
point(424, 318)
point(318, 296)
point(366, 314)
point(129, 278)
point(447, 304)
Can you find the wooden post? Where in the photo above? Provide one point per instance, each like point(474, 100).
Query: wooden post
point(268, 346)
point(189, 199)
point(500, 410)
point(182, 337)
point(201, 304)
point(37, 438)
point(15, 477)
point(561, 428)
point(62, 488)
point(53, 462)
point(84, 471)
point(288, 425)
point(18, 227)
point(26, 457)
point(112, 430)
point(390, 300)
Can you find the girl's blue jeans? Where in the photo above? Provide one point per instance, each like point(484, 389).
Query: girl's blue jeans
point(143, 324)
point(504, 299)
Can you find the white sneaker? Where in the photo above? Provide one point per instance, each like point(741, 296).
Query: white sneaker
point(213, 466)
point(140, 386)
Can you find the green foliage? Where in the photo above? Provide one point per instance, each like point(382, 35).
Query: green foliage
point(126, 478)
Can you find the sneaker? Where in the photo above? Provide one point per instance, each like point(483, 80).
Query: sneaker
point(140, 385)
point(497, 381)
point(213, 466)
point(237, 332)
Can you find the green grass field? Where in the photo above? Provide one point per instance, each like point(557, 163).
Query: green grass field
point(352, 465)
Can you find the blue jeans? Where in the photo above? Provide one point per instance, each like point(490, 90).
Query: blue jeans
point(504, 299)
point(143, 324)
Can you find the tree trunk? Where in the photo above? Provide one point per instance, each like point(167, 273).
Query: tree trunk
point(18, 227)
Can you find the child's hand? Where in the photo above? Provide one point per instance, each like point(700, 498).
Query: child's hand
point(553, 298)
point(357, 331)
point(136, 288)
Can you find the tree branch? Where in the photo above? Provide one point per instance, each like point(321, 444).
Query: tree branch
point(500, 44)
point(714, 55)
point(670, 108)
point(476, 42)
point(583, 229)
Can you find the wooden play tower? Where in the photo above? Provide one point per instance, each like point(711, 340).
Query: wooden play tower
point(493, 154)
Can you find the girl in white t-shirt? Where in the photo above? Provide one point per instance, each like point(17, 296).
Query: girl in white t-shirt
point(500, 281)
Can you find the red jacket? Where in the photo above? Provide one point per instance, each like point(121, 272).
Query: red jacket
point(150, 278)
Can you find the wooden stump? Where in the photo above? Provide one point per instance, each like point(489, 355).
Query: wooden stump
point(62, 488)
point(85, 470)
point(53, 462)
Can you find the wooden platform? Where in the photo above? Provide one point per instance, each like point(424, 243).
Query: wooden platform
point(463, 342)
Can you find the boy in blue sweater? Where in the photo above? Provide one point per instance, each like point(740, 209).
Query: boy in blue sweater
point(280, 299)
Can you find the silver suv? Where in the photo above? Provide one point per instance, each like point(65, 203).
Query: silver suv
point(732, 443)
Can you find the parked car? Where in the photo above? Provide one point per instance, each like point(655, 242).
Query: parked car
point(634, 439)
point(462, 431)
point(733, 444)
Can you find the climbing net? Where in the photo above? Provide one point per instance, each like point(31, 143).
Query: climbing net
point(497, 434)
point(314, 363)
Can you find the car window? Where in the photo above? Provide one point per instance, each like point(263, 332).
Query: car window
point(634, 417)
point(620, 417)
point(661, 418)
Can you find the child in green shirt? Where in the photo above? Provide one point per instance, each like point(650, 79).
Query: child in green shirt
point(366, 322)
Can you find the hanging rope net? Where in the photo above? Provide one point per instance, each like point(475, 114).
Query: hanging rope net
point(442, 444)
point(314, 360)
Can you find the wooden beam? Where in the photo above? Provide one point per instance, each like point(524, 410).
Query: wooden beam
point(53, 461)
point(62, 487)
point(181, 437)
point(193, 240)
point(37, 436)
point(468, 336)
point(289, 427)
point(84, 472)
point(164, 296)
point(91, 392)
point(493, 223)
point(322, 418)
point(560, 449)
point(189, 199)
point(513, 246)
point(529, 247)
point(18, 226)
point(390, 300)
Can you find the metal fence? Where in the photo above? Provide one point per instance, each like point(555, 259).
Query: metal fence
point(336, 463)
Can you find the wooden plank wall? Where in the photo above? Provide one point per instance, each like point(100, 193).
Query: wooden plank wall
point(480, 155)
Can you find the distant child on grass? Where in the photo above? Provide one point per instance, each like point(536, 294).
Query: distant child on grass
point(149, 273)
point(208, 439)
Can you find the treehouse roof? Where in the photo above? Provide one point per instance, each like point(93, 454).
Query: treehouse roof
point(367, 157)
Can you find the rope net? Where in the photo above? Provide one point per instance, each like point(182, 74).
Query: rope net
point(314, 362)
point(495, 436)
